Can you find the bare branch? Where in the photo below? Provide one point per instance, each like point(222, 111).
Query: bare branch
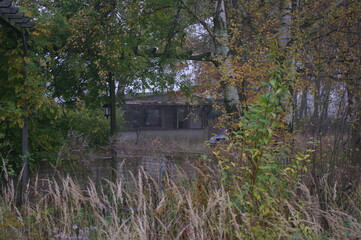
point(186, 56)
point(203, 23)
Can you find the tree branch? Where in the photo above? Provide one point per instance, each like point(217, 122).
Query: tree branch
point(203, 23)
point(207, 56)
point(185, 56)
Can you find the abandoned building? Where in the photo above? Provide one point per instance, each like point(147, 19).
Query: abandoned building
point(166, 116)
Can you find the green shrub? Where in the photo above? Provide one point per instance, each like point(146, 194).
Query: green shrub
point(258, 166)
point(90, 124)
point(50, 127)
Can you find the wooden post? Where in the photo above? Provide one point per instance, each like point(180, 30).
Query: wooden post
point(25, 132)
point(113, 119)
point(112, 105)
point(12, 18)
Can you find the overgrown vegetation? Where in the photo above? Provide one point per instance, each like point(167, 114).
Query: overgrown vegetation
point(182, 210)
point(50, 129)
point(289, 170)
point(255, 190)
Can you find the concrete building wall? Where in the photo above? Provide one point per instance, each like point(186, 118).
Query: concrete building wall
point(190, 135)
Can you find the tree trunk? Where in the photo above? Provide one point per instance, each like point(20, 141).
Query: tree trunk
point(325, 100)
point(316, 104)
point(288, 60)
point(223, 60)
point(303, 107)
point(286, 20)
point(355, 117)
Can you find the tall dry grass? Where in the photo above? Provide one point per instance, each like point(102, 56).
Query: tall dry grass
point(179, 209)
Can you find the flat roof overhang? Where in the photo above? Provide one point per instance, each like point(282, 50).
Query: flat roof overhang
point(11, 17)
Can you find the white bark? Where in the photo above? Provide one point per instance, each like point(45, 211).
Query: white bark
point(224, 59)
point(289, 102)
point(286, 21)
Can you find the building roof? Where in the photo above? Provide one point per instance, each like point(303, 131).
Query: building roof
point(10, 15)
point(172, 98)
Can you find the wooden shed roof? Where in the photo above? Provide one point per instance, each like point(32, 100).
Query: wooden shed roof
point(10, 15)
point(166, 99)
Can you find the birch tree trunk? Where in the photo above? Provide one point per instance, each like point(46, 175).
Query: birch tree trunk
point(223, 60)
point(284, 36)
point(284, 39)
point(304, 103)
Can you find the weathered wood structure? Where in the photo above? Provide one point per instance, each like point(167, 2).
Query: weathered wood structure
point(165, 116)
point(10, 17)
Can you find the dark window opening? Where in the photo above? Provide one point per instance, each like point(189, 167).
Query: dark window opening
point(195, 118)
point(163, 117)
point(152, 118)
point(190, 118)
point(182, 121)
point(170, 117)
